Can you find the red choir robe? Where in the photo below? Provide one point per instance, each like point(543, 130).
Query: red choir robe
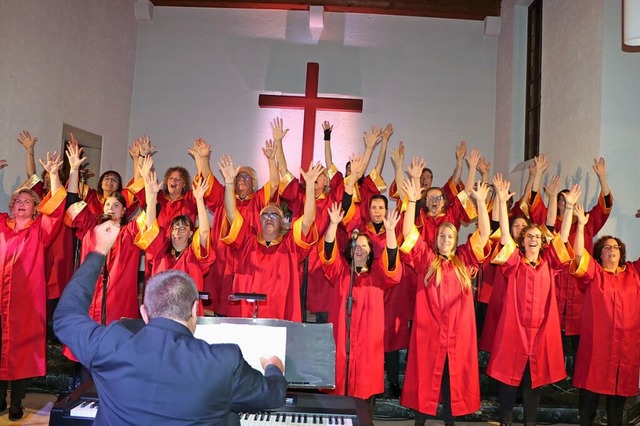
point(23, 297)
point(122, 264)
point(529, 327)
point(366, 357)
point(195, 260)
point(219, 281)
point(95, 201)
point(58, 261)
point(268, 269)
point(608, 358)
point(460, 210)
point(570, 299)
point(318, 293)
point(444, 326)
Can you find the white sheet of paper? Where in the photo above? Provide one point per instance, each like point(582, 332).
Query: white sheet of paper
point(522, 166)
point(255, 341)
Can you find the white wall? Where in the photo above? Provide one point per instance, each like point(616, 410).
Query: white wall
point(64, 61)
point(199, 73)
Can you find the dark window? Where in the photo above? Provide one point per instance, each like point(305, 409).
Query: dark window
point(534, 80)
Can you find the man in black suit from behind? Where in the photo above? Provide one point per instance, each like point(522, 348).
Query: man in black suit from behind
point(161, 375)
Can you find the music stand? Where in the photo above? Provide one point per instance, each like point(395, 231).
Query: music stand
point(251, 298)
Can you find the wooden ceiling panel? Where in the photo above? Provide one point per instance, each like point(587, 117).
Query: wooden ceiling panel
point(454, 9)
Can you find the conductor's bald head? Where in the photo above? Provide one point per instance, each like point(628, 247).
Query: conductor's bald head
point(171, 294)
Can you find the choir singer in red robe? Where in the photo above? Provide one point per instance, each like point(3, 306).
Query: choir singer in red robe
point(608, 358)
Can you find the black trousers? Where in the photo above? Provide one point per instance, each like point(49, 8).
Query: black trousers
point(530, 399)
point(392, 366)
point(588, 405)
point(445, 397)
point(18, 390)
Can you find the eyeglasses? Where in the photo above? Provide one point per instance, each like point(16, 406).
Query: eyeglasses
point(243, 176)
point(111, 179)
point(608, 247)
point(272, 216)
point(437, 198)
point(533, 237)
point(179, 229)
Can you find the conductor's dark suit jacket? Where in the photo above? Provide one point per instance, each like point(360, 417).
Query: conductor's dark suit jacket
point(161, 375)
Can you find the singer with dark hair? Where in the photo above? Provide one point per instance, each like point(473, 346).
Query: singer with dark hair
point(118, 279)
point(359, 281)
point(161, 375)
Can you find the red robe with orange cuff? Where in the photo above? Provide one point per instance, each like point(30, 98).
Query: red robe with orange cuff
point(122, 264)
point(444, 326)
point(529, 326)
point(195, 260)
point(23, 290)
point(366, 359)
point(608, 358)
point(570, 299)
point(270, 269)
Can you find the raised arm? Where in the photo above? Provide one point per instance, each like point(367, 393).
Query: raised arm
point(552, 194)
point(600, 168)
point(397, 160)
point(529, 184)
point(578, 240)
point(144, 149)
point(278, 132)
point(327, 128)
point(460, 152)
point(382, 154)
point(370, 139)
point(390, 222)
point(201, 153)
point(480, 192)
point(571, 199)
point(29, 144)
point(75, 162)
point(229, 174)
point(52, 165)
point(414, 170)
point(411, 187)
point(151, 189)
point(484, 167)
point(199, 189)
point(336, 214)
point(269, 152)
point(309, 213)
point(541, 163)
point(472, 164)
point(501, 187)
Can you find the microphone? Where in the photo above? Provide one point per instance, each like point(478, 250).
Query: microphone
point(103, 218)
point(354, 234)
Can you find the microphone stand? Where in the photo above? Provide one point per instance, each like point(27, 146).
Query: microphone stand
point(103, 307)
point(349, 308)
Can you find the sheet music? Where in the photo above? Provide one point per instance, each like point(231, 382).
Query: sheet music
point(255, 341)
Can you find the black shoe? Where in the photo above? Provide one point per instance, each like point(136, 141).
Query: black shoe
point(3, 405)
point(15, 412)
point(394, 390)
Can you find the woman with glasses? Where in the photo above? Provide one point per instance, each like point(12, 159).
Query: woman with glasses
point(25, 231)
point(527, 347)
point(186, 249)
point(608, 358)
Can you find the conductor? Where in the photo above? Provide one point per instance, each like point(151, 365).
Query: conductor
point(162, 374)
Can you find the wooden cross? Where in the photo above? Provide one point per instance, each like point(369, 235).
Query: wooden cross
point(310, 102)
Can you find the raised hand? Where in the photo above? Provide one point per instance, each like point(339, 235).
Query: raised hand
point(501, 188)
point(357, 166)
point(312, 174)
point(146, 167)
point(571, 197)
point(372, 138)
point(145, 147)
point(473, 159)
point(541, 163)
point(578, 210)
point(599, 166)
point(269, 149)
point(200, 187)
point(397, 156)
point(134, 149)
point(392, 219)
point(151, 180)
point(387, 132)
point(483, 166)
point(52, 163)
point(415, 168)
point(335, 213)
point(327, 126)
point(26, 140)
point(105, 236)
point(226, 168)
point(461, 151)
point(200, 148)
point(411, 187)
point(277, 129)
point(553, 187)
point(480, 192)
point(73, 154)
